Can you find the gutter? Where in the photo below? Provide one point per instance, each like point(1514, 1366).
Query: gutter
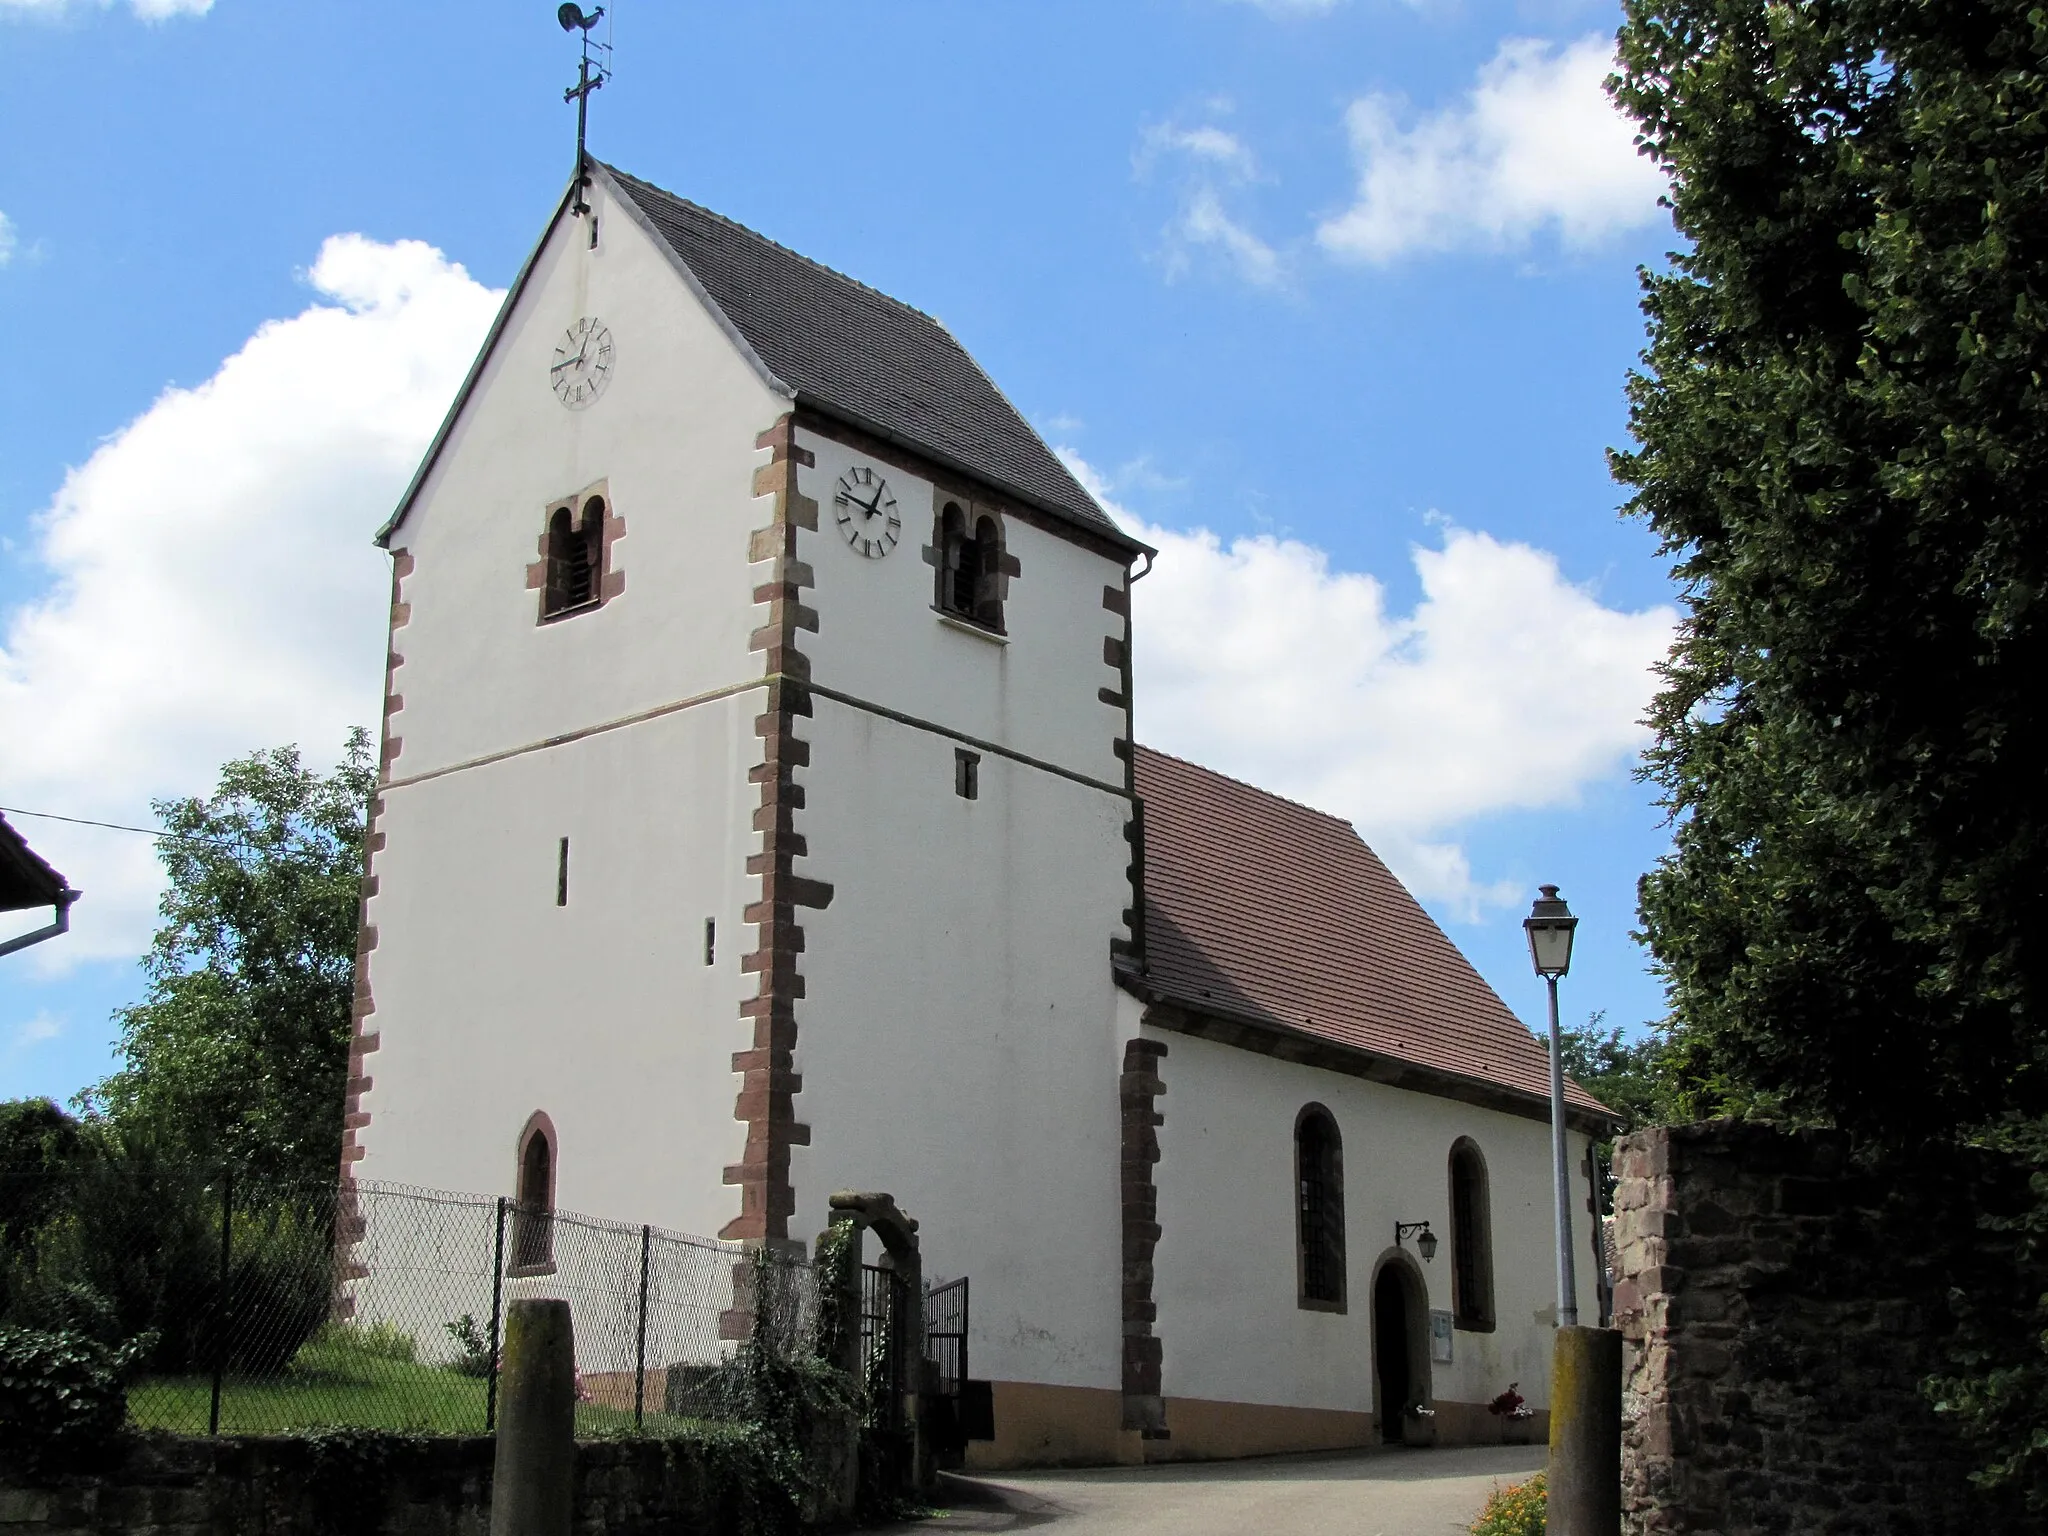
point(36, 936)
point(1398, 1071)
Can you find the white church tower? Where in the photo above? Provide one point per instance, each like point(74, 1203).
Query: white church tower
point(756, 767)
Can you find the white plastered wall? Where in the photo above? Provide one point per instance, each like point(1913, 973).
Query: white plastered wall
point(1226, 1281)
point(1034, 690)
point(957, 1035)
point(672, 437)
point(491, 1001)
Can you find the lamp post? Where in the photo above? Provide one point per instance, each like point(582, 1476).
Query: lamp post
point(1549, 926)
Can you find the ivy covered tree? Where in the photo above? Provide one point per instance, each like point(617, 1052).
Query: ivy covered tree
point(238, 1055)
point(1843, 445)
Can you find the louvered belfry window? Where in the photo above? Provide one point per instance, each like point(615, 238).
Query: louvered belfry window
point(1319, 1208)
point(970, 567)
point(575, 557)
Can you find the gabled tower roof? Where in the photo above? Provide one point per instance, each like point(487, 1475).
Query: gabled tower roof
point(840, 348)
point(862, 356)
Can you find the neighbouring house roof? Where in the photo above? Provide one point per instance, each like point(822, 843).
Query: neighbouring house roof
point(1264, 913)
point(862, 356)
point(25, 880)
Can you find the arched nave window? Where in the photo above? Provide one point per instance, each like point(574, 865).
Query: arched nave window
point(1319, 1209)
point(1471, 1238)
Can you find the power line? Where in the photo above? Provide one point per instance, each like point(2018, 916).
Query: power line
point(112, 826)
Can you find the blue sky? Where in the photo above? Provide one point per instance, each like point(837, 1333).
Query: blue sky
point(1334, 298)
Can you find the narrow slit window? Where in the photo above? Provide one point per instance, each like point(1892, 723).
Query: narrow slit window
point(967, 774)
point(562, 875)
point(710, 941)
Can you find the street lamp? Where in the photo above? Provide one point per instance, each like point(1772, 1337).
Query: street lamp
point(1549, 926)
point(1425, 1240)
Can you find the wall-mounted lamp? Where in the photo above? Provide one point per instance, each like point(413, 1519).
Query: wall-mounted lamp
point(1425, 1243)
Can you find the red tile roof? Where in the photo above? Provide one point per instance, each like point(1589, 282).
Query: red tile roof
point(1264, 911)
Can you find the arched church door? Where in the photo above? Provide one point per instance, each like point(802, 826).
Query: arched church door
point(1390, 1350)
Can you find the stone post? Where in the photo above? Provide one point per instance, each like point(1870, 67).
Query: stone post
point(1585, 1434)
point(533, 1486)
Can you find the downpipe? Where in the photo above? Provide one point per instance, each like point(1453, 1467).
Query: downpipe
point(50, 931)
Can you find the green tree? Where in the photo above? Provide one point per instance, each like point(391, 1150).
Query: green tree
point(1628, 1076)
point(1843, 445)
point(238, 1055)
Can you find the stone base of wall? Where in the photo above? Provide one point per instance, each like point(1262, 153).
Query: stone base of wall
point(1783, 1299)
point(1048, 1426)
point(361, 1485)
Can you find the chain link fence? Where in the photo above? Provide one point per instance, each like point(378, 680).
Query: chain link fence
point(268, 1308)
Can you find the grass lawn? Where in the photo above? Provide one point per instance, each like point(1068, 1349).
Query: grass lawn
point(334, 1382)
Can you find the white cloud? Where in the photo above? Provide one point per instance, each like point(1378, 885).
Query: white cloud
point(7, 240)
point(1203, 221)
point(1207, 142)
point(1536, 144)
point(1208, 160)
point(214, 588)
point(148, 10)
point(31, 1032)
point(1256, 658)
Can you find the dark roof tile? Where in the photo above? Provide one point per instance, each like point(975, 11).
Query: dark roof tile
point(862, 356)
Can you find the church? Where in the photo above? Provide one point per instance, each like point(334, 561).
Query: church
point(762, 815)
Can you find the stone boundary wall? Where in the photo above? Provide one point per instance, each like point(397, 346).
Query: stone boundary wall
point(367, 1485)
point(1782, 1299)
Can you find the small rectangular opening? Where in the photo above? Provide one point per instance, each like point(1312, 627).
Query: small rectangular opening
point(562, 876)
point(710, 941)
point(966, 774)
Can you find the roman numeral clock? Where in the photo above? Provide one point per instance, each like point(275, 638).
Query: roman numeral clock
point(867, 513)
point(582, 363)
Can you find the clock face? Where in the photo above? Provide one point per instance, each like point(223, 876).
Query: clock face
point(867, 512)
point(582, 363)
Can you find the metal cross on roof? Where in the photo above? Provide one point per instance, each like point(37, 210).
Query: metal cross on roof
point(573, 19)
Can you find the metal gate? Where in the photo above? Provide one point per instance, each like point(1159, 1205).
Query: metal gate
point(945, 1346)
point(885, 1373)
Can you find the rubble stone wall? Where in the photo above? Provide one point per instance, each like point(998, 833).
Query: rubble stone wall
point(362, 1484)
point(1782, 1300)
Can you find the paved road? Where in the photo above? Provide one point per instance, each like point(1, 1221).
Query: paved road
point(1346, 1493)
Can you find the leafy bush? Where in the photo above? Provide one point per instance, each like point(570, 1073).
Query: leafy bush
point(377, 1341)
point(63, 1397)
point(1517, 1510)
point(473, 1355)
point(133, 1247)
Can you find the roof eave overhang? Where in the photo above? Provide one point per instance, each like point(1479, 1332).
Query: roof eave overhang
point(1268, 1037)
point(26, 878)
